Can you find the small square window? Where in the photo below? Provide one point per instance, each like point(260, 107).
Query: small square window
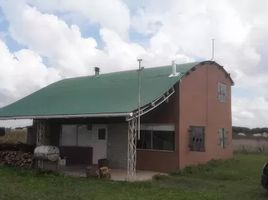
point(102, 134)
point(197, 138)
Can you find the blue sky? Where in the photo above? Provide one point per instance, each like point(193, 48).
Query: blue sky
point(44, 41)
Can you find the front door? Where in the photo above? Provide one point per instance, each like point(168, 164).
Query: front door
point(99, 142)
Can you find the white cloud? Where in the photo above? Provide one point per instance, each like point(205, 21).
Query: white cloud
point(70, 48)
point(250, 112)
point(109, 14)
point(52, 38)
point(21, 73)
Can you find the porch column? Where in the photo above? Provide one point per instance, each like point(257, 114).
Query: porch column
point(40, 127)
point(132, 151)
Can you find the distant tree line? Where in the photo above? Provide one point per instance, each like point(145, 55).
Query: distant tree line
point(239, 129)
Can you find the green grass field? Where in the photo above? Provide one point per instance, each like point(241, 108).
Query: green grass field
point(238, 178)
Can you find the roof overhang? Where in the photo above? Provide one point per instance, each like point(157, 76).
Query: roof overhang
point(125, 114)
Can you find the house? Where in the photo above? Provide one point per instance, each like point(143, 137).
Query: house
point(185, 117)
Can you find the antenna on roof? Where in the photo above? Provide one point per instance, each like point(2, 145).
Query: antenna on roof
point(212, 48)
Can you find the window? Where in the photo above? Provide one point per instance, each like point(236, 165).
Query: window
point(223, 137)
point(157, 139)
point(145, 141)
point(197, 138)
point(222, 92)
point(75, 135)
point(69, 135)
point(101, 133)
point(163, 140)
point(83, 135)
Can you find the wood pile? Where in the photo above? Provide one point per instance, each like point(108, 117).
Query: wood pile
point(16, 158)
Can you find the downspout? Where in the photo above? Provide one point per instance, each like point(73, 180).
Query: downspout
point(207, 95)
point(179, 125)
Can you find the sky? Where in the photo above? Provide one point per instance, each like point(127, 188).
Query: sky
point(45, 41)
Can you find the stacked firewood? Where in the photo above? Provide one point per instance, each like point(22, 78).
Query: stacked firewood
point(16, 158)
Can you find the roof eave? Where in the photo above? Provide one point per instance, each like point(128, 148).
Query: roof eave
point(124, 114)
point(221, 67)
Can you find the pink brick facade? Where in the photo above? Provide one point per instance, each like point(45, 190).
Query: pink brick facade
point(195, 103)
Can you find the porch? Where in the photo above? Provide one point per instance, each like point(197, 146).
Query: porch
point(85, 141)
point(116, 174)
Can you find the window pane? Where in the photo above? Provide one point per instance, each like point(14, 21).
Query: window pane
point(145, 141)
point(68, 135)
point(163, 140)
point(83, 135)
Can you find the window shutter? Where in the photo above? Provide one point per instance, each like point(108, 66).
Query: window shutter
point(202, 139)
point(197, 138)
point(191, 138)
point(219, 137)
point(222, 92)
point(225, 92)
point(219, 91)
point(226, 138)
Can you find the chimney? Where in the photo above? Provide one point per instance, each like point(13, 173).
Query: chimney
point(174, 69)
point(97, 71)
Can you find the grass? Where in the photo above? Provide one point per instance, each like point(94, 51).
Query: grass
point(238, 178)
point(14, 136)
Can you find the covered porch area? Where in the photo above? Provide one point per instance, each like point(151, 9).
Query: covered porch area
point(83, 142)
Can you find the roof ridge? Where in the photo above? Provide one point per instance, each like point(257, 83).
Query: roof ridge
point(129, 70)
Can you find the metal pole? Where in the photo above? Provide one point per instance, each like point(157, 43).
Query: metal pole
point(133, 131)
point(139, 99)
point(212, 49)
point(132, 151)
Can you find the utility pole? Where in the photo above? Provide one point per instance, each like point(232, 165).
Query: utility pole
point(139, 98)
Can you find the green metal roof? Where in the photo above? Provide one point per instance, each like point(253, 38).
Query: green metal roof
point(104, 94)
